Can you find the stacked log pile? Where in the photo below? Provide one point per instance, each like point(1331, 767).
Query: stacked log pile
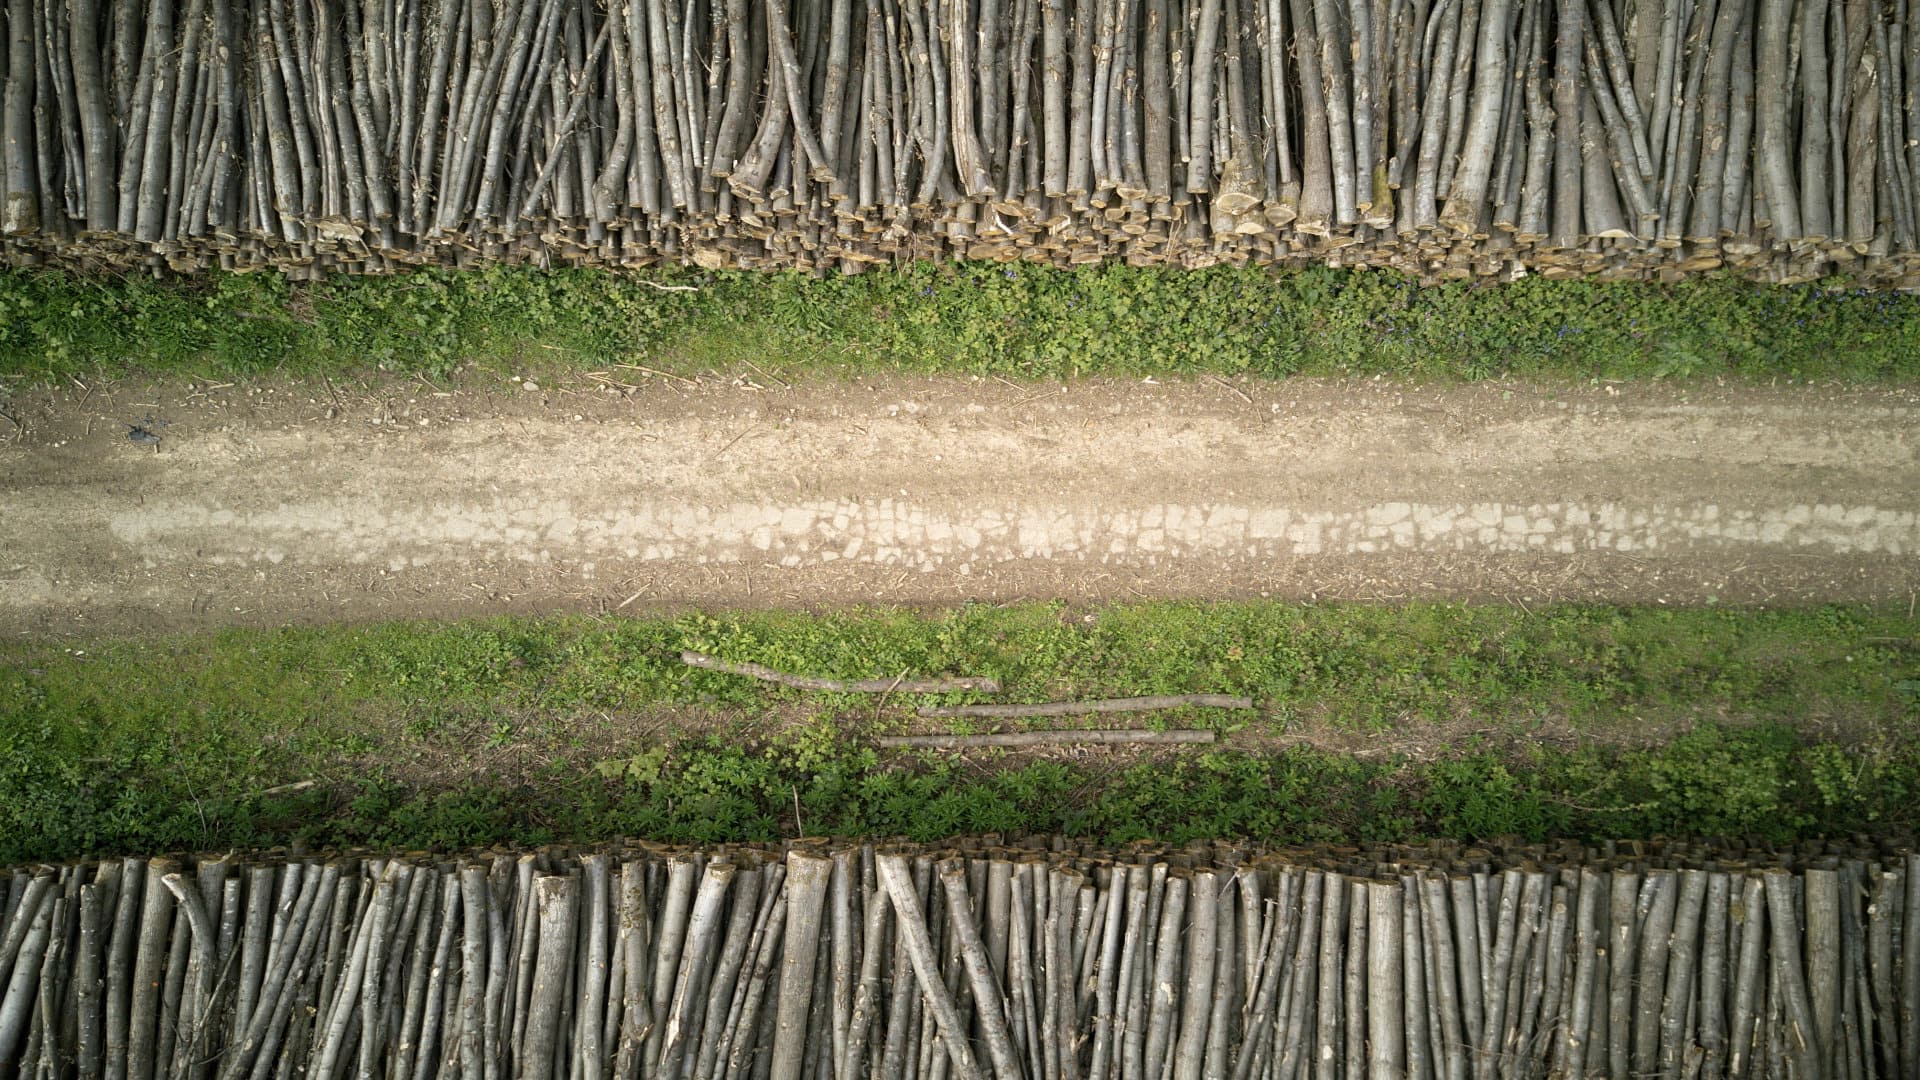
point(1449, 138)
point(1017, 961)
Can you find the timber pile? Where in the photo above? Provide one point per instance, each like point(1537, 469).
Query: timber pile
point(1448, 138)
point(1024, 961)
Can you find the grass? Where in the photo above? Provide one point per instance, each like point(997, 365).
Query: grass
point(1375, 723)
point(1014, 321)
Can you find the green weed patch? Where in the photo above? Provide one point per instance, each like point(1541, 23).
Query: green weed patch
point(1375, 723)
point(1014, 321)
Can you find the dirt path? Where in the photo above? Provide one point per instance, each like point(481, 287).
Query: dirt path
point(298, 502)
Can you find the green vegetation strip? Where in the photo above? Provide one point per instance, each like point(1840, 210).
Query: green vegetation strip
point(1467, 722)
point(1009, 320)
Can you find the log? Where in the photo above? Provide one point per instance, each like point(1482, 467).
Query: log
point(1910, 970)
point(1328, 1059)
point(1467, 952)
point(1773, 137)
point(1823, 978)
point(1714, 969)
point(918, 943)
point(205, 946)
point(1682, 964)
point(1568, 70)
point(1467, 195)
point(556, 897)
point(1659, 897)
point(1584, 973)
point(1815, 133)
point(989, 1003)
point(1163, 977)
point(20, 210)
point(156, 921)
point(807, 881)
point(17, 1003)
point(1386, 1024)
point(1317, 209)
point(1804, 1048)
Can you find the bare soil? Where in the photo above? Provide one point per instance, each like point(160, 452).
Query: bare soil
point(273, 502)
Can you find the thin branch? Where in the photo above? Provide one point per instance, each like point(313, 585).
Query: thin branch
point(842, 686)
point(1107, 705)
point(1046, 738)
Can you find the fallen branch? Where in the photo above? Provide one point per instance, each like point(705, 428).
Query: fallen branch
point(843, 686)
point(294, 788)
point(1045, 738)
point(1108, 705)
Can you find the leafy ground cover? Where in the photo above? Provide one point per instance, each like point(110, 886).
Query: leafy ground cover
point(1375, 723)
point(1015, 321)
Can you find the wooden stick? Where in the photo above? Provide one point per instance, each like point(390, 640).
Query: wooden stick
point(25, 904)
point(1748, 920)
point(1227, 982)
point(843, 686)
point(1200, 116)
point(1106, 705)
point(1045, 738)
point(266, 1031)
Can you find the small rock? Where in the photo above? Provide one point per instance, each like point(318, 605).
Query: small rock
point(529, 385)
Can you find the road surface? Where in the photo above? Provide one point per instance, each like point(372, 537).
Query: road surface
point(303, 502)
